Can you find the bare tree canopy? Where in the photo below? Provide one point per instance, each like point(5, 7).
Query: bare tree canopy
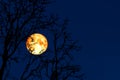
point(19, 19)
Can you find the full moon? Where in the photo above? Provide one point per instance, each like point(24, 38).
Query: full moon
point(36, 44)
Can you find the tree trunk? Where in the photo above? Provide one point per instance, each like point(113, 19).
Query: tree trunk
point(56, 71)
point(4, 58)
point(54, 75)
point(2, 69)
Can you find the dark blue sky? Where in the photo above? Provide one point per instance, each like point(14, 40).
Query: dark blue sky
point(96, 23)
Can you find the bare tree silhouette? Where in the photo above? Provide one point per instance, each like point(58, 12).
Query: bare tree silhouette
point(19, 19)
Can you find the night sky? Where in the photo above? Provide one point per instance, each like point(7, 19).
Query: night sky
point(96, 24)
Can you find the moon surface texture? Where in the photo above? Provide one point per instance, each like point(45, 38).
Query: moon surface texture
point(36, 44)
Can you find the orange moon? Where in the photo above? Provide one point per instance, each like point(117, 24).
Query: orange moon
point(36, 44)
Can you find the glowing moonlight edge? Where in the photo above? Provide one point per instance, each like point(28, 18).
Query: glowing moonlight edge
point(36, 44)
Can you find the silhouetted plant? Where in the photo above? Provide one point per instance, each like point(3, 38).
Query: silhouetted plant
point(19, 19)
